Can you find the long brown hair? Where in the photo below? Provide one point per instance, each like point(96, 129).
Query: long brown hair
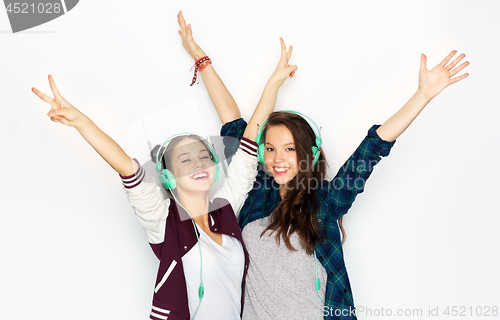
point(294, 213)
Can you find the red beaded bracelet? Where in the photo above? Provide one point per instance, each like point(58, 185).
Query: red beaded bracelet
point(199, 68)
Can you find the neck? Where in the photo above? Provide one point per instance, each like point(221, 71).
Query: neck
point(283, 190)
point(196, 204)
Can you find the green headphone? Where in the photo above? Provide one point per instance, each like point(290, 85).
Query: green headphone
point(167, 179)
point(315, 149)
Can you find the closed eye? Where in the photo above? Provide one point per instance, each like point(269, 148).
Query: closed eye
point(185, 160)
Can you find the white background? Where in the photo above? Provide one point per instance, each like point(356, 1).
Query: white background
point(425, 232)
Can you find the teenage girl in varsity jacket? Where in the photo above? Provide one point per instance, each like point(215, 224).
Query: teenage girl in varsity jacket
point(203, 261)
point(290, 220)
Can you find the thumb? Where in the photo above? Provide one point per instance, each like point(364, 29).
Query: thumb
point(423, 62)
point(58, 112)
point(293, 68)
point(65, 122)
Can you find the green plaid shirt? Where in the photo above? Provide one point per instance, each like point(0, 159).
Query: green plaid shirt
point(335, 199)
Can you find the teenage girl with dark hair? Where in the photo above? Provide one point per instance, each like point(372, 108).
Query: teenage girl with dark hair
point(203, 261)
point(292, 204)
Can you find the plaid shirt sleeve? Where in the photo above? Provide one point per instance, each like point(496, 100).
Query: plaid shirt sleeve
point(233, 129)
point(351, 177)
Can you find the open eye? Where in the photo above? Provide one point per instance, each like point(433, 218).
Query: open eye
point(269, 149)
point(290, 149)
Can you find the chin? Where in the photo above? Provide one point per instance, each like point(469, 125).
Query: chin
point(205, 187)
point(281, 180)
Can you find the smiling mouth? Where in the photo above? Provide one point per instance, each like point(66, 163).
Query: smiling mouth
point(280, 170)
point(202, 175)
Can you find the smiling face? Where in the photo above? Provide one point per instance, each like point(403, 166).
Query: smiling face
point(192, 166)
point(280, 155)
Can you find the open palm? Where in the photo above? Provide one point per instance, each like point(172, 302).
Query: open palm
point(186, 34)
point(432, 82)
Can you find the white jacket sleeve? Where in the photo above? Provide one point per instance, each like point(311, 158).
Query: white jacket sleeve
point(150, 207)
point(241, 175)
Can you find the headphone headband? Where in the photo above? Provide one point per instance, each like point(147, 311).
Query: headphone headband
point(213, 154)
point(312, 124)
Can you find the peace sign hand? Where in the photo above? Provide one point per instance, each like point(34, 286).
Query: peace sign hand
point(284, 70)
point(432, 82)
point(61, 110)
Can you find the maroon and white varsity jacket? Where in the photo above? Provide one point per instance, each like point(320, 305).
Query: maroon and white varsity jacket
point(170, 231)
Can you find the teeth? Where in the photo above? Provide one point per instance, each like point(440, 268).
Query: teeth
point(200, 175)
point(280, 169)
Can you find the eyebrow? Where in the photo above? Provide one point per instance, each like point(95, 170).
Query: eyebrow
point(186, 153)
point(286, 144)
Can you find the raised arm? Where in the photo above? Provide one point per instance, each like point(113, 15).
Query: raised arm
point(63, 112)
point(242, 171)
point(270, 94)
point(221, 98)
point(430, 84)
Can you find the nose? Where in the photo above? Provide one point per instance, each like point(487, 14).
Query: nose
point(198, 163)
point(278, 156)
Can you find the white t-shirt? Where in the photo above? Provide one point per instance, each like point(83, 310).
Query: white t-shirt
point(222, 273)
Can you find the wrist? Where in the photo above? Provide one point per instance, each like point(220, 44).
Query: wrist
point(83, 123)
point(422, 96)
point(274, 82)
point(198, 54)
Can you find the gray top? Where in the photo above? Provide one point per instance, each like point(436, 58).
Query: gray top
point(280, 283)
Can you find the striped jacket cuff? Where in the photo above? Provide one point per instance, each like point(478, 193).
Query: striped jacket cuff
point(248, 146)
point(159, 313)
point(135, 179)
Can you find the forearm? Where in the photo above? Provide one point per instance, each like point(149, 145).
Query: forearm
point(264, 108)
point(352, 177)
point(221, 98)
point(107, 148)
point(397, 124)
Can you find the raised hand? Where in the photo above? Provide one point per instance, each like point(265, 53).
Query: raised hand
point(284, 70)
point(432, 82)
point(188, 42)
point(61, 110)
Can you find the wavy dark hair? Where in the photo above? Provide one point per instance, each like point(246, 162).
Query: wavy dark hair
point(297, 211)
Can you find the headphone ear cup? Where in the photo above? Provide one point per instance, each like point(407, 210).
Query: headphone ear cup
point(215, 157)
point(316, 152)
point(260, 152)
point(318, 142)
point(217, 172)
point(167, 179)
